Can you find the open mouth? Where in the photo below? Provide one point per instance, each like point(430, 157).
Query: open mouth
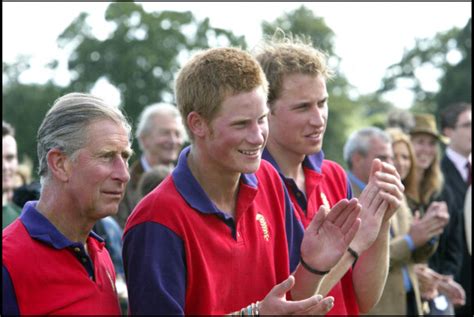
point(250, 153)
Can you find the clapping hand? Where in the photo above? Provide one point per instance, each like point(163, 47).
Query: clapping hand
point(329, 234)
point(275, 302)
point(379, 199)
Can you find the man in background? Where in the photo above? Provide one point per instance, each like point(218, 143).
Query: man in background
point(10, 211)
point(456, 122)
point(160, 134)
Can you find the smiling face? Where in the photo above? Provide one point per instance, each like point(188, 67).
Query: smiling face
point(425, 147)
point(164, 140)
point(401, 158)
point(98, 172)
point(299, 116)
point(235, 138)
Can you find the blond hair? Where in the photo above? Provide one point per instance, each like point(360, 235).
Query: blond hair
point(211, 76)
point(410, 183)
point(283, 55)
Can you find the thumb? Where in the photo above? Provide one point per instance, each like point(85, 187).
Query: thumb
point(281, 289)
point(375, 167)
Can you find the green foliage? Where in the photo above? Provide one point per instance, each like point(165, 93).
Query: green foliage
point(142, 54)
point(139, 57)
point(455, 79)
point(24, 106)
point(304, 22)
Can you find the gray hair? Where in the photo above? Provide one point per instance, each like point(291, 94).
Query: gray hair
point(64, 126)
point(360, 142)
point(145, 122)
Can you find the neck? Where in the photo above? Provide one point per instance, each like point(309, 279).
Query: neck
point(463, 154)
point(220, 187)
point(290, 163)
point(73, 226)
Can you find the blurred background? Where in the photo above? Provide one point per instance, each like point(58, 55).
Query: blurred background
point(414, 56)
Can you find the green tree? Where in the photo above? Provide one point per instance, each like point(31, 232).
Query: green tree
point(435, 53)
point(303, 22)
point(24, 106)
point(141, 55)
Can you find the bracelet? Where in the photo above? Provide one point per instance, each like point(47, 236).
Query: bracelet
point(257, 310)
point(354, 254)
point(309, 268)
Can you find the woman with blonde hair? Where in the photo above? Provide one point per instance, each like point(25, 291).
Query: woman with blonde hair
point(446, 261)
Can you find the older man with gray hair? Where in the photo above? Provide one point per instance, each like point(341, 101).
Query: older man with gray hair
point(361, 148)
point(52, 261)
point(160, 134)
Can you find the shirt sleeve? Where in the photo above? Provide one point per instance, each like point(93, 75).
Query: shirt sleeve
point(155, 270)
point(9, 302)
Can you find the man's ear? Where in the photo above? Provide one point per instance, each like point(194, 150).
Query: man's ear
point(356, 159)
point(59, 164)
point(197, 125)
point(448, 132)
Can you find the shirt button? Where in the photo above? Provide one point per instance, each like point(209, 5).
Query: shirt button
point(298, 194)
point(84, 260)
point(77, 250)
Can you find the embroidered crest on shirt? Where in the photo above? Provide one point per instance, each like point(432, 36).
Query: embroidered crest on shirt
point(325, 201)
point(111, 280)
point(263, 223)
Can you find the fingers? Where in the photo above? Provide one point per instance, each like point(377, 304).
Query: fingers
point(339, 212)
point(350, 217)
point(296, 307)
point(281, 289)
point(337, 209)
point(318, 220)
point(390, 183)
point(376, 166)
point(321, 308)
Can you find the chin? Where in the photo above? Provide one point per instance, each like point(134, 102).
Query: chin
point(250, 169)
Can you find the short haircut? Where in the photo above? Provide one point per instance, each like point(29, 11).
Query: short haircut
point(145, 122)
point(7, 129)
point(211, 76)
point(450, 115)
point(289, 55)
point(360, 142)
point(65, 125)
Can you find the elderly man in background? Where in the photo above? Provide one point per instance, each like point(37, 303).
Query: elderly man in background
point(160, 134)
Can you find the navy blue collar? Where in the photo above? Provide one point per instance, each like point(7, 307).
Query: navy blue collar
point(191, 190)
point(40, 228)
point(360, 184)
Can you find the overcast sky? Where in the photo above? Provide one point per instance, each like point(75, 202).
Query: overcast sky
point(369, 36)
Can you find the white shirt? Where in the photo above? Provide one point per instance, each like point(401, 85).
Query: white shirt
point(146, 166)
point(459, 162)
